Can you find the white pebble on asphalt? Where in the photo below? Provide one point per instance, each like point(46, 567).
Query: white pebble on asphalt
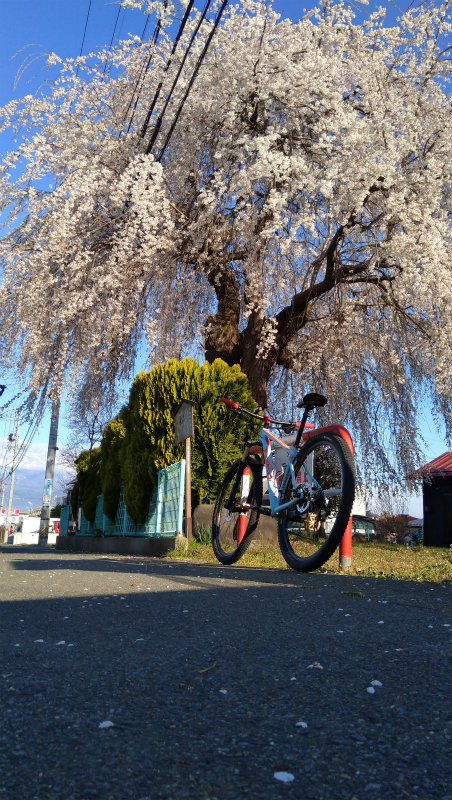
point(285, 777)
point(301, 724)
point(381, 622)
point(38, 640)
point(62, 642)
point(223, 691)
point(376, 683)
point(106, 724)
point(370, 690)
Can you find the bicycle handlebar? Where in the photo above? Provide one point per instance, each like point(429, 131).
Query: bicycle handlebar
point(230, 403)
point(264, 419)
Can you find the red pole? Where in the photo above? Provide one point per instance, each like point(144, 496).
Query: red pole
point(243, 518)
point(345, 548)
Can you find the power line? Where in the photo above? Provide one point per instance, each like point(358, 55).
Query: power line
point(192, 80)
point(145, 27)
point(111, 41)
point(158, 124)
point(84, 33)
point(168, 64)
point(157, 30)
point(122, 22)
point(22, 451)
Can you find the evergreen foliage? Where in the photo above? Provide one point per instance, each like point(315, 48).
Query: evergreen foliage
point(88, 485)
point(110, 468)
point(149, 441)
point(140, 440)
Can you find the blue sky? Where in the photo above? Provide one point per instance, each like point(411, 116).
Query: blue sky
point(58, 26)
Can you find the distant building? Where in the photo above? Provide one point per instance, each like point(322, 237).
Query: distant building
point(437, 493)
point(363, 527)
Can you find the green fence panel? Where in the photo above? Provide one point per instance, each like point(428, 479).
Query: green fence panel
point(102, 524)
point(170, 499)
point(150, 526)
point(121, 517)
point(165, 513)
point(65, 516)
point(99, 518)
point(86, 529)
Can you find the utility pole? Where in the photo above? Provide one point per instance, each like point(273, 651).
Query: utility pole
point(50, 471)
point(13, 475)
point(4, 465)
point(5, 459)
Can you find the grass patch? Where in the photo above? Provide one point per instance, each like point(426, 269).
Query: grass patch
point(376, 560)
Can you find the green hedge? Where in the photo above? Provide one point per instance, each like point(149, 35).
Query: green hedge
point(149, 442)
point(140, 440)
point(110, 469)
point(88, 485)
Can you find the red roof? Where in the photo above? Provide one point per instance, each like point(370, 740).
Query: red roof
point(441, 466)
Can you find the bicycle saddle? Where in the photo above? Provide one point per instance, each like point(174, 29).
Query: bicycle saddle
point(313, 399)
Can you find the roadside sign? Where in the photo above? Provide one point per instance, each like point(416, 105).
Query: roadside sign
point(183, 421)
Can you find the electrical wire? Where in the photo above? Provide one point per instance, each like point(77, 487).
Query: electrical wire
point(111, 41)
point(84, 33)
point(158, 124)
point(145, 27)
point(157, 30)
point(168, 64)
point(122, 22)
point(26, 441)
point(192, 80)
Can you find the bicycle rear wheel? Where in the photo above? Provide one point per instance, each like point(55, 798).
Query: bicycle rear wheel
point(309, 532)
point(232, 530)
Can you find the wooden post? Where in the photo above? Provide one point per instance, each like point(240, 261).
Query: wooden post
point(188, 529)
point(183, 431)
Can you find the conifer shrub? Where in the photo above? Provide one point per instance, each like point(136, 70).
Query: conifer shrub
point(110, 469)
point(87, 486)
point(148, 444)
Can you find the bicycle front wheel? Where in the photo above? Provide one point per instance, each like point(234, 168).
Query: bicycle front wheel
point(309, 532)
point(232, 529)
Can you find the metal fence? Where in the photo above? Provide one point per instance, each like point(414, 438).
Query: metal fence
point(165, 513)
point(65, 515)
point(86, 528)
point(102, 523)
point(167, 516)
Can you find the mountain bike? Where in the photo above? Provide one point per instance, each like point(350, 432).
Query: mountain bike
point(311, 496)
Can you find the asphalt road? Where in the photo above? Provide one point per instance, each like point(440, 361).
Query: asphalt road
point(205, 672)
